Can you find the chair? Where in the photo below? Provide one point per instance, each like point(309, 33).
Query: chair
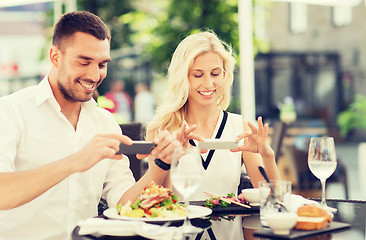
point(279, 132)
point(136, 131)
point(304, 180)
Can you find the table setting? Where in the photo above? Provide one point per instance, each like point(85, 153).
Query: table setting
point(111, 227)
point(270, 211)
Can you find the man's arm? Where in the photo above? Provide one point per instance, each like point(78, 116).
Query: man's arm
point(18, 188)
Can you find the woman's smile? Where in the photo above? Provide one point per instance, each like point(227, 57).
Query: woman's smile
point(207, 93)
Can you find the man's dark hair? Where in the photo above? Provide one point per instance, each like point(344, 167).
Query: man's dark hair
point(79, 21)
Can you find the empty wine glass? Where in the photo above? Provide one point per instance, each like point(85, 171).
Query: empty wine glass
point(322, 162)
point(186, 176)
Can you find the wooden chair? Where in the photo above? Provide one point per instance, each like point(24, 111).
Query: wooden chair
point(136, 131)
point(305, 183)
point(277, 136)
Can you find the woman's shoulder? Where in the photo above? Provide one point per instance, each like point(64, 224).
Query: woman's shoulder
point(235, 116)
point(234, 122)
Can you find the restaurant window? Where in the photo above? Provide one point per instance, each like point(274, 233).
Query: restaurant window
point(341, 16)
point(312, 80)
point(298, 17)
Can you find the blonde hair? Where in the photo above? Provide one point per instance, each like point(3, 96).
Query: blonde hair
point(171, 113)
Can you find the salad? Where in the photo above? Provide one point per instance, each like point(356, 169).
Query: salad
point(216, 202)
point(154, 201)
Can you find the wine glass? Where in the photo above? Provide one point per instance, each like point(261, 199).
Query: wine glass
point(322, 162)
point(186, 176)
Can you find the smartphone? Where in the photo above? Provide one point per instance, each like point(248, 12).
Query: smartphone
point(137, 147)
point(217, 144)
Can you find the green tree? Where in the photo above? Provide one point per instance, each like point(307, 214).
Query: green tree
point(160, 32)
point(110, 11)
point(155, 27)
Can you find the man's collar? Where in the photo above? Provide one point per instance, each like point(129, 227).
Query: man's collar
point(44, 92)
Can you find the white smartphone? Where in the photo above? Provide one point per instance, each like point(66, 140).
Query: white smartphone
point(137, 147)
point(217, 144)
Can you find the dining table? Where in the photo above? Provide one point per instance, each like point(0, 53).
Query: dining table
point(242, 223)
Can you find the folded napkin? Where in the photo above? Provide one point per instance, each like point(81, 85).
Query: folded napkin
point(295, 201)
point(127, 228)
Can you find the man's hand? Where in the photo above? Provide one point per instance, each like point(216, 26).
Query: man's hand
point(98, 148)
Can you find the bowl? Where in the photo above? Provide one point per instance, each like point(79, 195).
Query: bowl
point(251, 195)
point(281, 222)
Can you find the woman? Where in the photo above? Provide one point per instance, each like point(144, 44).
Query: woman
point(200, 77)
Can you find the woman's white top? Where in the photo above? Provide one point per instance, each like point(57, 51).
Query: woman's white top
point(222, 170)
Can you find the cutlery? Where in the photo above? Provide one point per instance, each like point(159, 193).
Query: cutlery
point(265, 176)
point(226, 200)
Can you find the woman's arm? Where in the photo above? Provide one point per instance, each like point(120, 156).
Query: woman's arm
point(166, 144)
point(257, 152)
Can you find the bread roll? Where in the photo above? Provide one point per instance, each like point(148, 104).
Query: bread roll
point(312, 218)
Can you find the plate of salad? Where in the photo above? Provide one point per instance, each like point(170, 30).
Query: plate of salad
point(155, 204)
point(219, 206)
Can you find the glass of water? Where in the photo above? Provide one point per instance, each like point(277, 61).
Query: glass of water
point(186, 175)
point(322, 162)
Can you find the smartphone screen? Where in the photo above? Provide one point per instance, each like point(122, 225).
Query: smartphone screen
point(137, 147)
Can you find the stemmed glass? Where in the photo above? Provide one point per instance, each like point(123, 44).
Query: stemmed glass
point(322, 162)
point(186, 176)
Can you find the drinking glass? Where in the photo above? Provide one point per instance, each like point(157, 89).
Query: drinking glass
point(322, 162)
point(186, 175)
point(274, 197)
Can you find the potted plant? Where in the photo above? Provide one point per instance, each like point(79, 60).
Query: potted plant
point(354, 117)
point(351, 120)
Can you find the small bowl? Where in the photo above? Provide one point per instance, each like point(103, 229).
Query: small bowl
point(251, 195)
point(281, 222)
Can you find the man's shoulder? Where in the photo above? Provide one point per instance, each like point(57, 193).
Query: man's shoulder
point(101, 119)
point(105, 115)
point(22, 96)
point(103, 112)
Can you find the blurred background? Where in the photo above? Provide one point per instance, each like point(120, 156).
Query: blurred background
point(308, 59)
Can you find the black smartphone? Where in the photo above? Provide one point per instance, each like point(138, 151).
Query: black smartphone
point(137, 147)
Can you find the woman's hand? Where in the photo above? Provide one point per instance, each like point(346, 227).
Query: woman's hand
point(256, 140)
point(185, 133)
point(166, 143)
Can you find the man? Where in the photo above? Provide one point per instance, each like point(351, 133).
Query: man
point(58, 149)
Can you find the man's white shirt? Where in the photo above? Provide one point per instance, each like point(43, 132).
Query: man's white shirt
point(34, 132)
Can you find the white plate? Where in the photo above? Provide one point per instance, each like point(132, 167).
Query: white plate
point(254, 204)
point(195, 212)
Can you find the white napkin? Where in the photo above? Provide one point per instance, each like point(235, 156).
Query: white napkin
point(296, 201)
point(127, 228)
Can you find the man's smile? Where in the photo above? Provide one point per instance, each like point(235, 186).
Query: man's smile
point(89, 87)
